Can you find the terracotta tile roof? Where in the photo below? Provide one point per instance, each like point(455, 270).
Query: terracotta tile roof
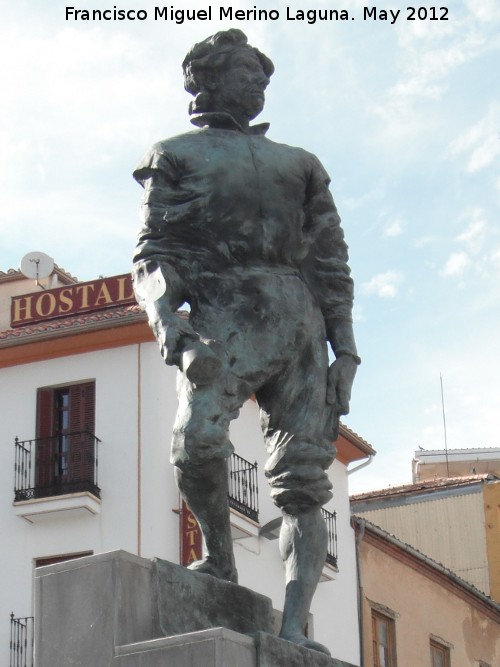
point(15, 274)
point(357, 439)
point(424, 486)
point(10, 272)
point(361, 524)
point(68, 325)
point(451, 452)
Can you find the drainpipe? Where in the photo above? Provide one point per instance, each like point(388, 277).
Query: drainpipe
point(361, 465)
point(358, 539)
point(359, 534)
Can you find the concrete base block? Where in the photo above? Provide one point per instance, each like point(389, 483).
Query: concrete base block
point(119, 610)
point(275, 652)
point(188, 601)
point(86, 607)
point(218, 647)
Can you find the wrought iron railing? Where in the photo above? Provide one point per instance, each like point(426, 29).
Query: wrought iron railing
point(243, 486)
point(21, 641)
point(331, 524)
point(46, 467)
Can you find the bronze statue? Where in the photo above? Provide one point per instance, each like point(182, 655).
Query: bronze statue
point(246, 232)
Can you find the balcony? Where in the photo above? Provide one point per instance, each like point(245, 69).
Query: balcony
point(331, 525)
point(56, 474)
point(243, 487)
point(21, 641)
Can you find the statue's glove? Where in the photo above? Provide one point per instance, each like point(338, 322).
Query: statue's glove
point(179, 343)
point(173, 334)
point(181, 346)
point(340, 379)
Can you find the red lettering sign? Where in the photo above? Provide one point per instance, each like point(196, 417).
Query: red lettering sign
point(71, 300)
point(191, 538)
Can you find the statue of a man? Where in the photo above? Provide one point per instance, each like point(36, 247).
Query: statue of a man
point(246, 232)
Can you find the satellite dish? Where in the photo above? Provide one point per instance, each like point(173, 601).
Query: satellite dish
point(36, 265)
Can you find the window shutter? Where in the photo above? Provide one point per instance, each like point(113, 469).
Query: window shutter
point(45, 413)
point(44, 433)
point(82, 427)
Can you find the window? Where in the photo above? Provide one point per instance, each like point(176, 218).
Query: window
point(384, 640)
point(440, 654)
point(65, 459)
point(41, 562)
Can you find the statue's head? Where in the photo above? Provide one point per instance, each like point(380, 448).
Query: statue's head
point(225, 73)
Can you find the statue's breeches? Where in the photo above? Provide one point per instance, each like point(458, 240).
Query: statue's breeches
point(270, 335)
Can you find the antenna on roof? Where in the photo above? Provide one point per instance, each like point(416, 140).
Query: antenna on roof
point(444, 424)
point(36, 265)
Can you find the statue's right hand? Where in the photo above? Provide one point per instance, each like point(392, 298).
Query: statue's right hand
point(173, 334)
point(182, 346)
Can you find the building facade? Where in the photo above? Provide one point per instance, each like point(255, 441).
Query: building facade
point(87, 412)
point(415, 612)
point(455, 521)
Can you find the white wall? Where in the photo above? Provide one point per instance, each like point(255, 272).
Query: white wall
point(139, 517)
point(115, 373)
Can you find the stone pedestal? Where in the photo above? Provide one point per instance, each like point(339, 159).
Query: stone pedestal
point(119, 610)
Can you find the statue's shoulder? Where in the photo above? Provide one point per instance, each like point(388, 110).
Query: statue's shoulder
point(299, 155)
point(165, 154)
point(175, 144)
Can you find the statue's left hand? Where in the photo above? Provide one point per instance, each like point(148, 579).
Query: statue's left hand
point(340, 378)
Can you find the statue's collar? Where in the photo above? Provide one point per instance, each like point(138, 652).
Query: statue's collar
point(225, 121)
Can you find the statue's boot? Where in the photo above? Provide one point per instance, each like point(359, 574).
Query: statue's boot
point(205, 488)
point(303, 546)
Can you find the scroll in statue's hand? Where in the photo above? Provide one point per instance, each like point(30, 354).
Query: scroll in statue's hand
point(200, 363)
point(340, 379)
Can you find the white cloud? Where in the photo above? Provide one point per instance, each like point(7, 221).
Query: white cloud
point(495, 257)
point(384, 285)
point(430, 55)
point(394, 227)
point(480, 143)
point(433, 51)
point(358, 314)
point(484, 10)
point(427, 74)
point(424, 241)
point(80, 99)
point(456, 264)
point(473, 236)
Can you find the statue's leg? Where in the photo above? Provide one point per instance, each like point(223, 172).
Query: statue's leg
point(296, 426)
point(200, 448)
point(205, 488)
point(303, 544)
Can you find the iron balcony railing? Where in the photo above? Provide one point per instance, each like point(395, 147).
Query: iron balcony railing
point(54, 466)
point(243, 487)
point(21, 641)
point(331, 524)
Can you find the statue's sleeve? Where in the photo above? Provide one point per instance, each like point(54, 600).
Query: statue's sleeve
point(326, 268)
point(157, 245)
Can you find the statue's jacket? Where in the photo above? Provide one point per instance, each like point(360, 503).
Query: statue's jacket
point(218, 199)
point(246, 231)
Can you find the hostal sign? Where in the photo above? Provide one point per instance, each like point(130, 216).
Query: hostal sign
point(71, 300)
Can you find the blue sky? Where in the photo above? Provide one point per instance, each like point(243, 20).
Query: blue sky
point(406, 119)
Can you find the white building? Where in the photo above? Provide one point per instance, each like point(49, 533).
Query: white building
point(437, 463)
point(87, 409)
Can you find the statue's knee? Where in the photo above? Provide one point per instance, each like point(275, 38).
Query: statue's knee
point(301, 489)
point(196, 444)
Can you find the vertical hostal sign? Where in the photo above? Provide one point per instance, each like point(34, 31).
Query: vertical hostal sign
point(191, 539)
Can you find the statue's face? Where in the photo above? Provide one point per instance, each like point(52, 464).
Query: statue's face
point(240, 87)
